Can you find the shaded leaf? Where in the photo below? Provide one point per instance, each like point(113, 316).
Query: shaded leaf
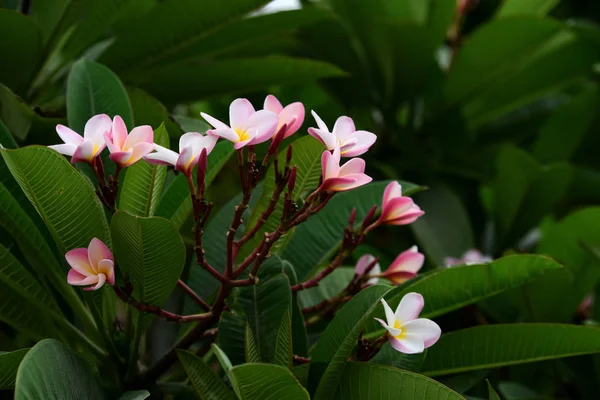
point(208, 385)
point(265, 382)
point(9, 363)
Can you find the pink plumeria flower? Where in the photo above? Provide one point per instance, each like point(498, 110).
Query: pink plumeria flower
point(126, 150)
point(247, 125)
point(397, 209)
point(292, 115)
point(92, 266)
point(86, 148)
point(338, 178)
point(361, 267)
point(190, 147)
point(471, 257)
point(352, 143)
point(405, 266)
point(407, 332)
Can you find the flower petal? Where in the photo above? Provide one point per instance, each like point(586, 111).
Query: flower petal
point(396, 206)
point(323, 136)
point(185, 160)
point(213, 121)
point(139, 134)
point(374, 272)
point(409, 344)
point(107, 267)
point(76, 279)
point(407, 218)
point(101, 280)
point(78, 260)
point(293, 115)
point(392, 331)
point(85, 152)
point(410, 307)
point(240, 111)
point(338, 184)
point(139, 150)
point(263, 123)
point(330, 168)
point(359, 180)
point(162, 156)
point(389, 314)
point(68, 135)
point(241, 144)
point(364, 141)
point(392, 190)
point(408, 261)
point(425, 328)
point(119, 132)
point(97, 127)
point(354, 166)
point(188, 140)
point(343, 128)
point(66, 149)
point(97, 251)
point(319, 121)
point(272, 104)
point(362, 263)
point(225, 133)
point(121, 158)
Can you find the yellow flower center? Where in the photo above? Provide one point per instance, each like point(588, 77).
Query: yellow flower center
point(242, 135)
point(398, 325)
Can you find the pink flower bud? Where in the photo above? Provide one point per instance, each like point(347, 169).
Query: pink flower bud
point(405, 266)
point(397, 209)
point(92, 266)
point(338, 178)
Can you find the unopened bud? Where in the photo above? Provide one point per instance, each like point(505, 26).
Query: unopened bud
point(277, 139)
point(292, 179)
point(202, 167)
point(288, 156)
point(370, 215)
point(352, 218)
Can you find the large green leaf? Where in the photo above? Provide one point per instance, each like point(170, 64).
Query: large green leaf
point(315, 240)
point(330, 355)
point(21, 44)
point(170, 28)
point(363, 381)
point(152, 254)
point(329, 287)
point(9, 363)
point(265, 382)
point(191, 80)
point(149, 111)
point(232, 334)
point(26, 304)
point(531, 7)
point(448, 289)
point(208, 385)
point(51, 371)
point(144, 182)
point(494, 346)
point(64, 199)
point(176, 203)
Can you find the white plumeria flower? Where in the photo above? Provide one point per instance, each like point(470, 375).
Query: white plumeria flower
point(126, 150)
point(408, 333)
point(86, 148)
point(352, 143)
point(190, 147)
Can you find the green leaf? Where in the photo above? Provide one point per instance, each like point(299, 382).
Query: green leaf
point(390, 356)
point(508, 345)
point(330, 355)
point(449, 289)
point(222, 357)
point(50, 371)
point(9, 363)
point(283, 343)
point(152, 254)
point(511, 8)
point(330, 286)
point(492, 393)
point(576, 117)
point(363, 381)
point(233, 332)
point(252, 354)
point(94, 89)
point(149, 111)
point(28, 306)
point(21, 43)
point(144, 182)
point(445, 214)
point(176, 203)
point(315, 240)
point(208, 385)
point(192, 80)
point(64, 199)
point(6, 139)
point(135, 395)
point(265, 382)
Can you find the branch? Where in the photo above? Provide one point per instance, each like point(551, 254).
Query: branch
point(193, 295)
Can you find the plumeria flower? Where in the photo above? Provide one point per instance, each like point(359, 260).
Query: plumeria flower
point(405, 266)
point(471, 257)
point(408, 333)
point(247, 125)
point(338, 178)
point(361, 267)
point(292, 115)
point(92, 266)
point(352, 143)
point(397, 209)
point(126, 149)
point(86, 148)
point(190, 147)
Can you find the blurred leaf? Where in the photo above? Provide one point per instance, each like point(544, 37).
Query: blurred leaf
point(449, 289)
point(511, 8)
point(191, 80)
point(464, 382)
point(6, 139)
point(315, 240)
point(330, 355)
point(515, 391)
point(170, 28)
point(493, 346)
point(149, 111)
point(265, 382)
point(21, 44)
point(232, 336)
point(143, 183)
point(152, 255)
point(575, 117)
point(222, 357)
point(329, 287)
point(364, 381)
point(176, 203)
point(9, 362)
point(49, 181)
point(135, 395)
point(51, 371)
point(208, 385)
point(445, 229)
point(492, 393)
point(252, 355)
point(27, 306)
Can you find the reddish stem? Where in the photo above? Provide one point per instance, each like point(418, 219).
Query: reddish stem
point(193, 295)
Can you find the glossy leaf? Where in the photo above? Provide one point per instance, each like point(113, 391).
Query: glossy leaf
point(508, 345)
point(532, 7)
point(143, 182)
point(208, 385)
point(265, 382)
point(364, 381)
point(222, 357)
point(9, 362)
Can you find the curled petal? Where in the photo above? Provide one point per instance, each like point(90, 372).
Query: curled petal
point(359, 180)
point(392, 331)
point(66, 149)
point(119, 132)
point(408, 344)
point(408, 261)
point(241, 144)
point(330, 168)
point(138, 151)
point(398, 277)
point(407, 218)
point(213, 121)
point(162, 156)
point(78, 260)
point(76, 279)
point(363, 142)
point(293, 115)
point(97, 251)
point(138, 135)
point(320, 122)
point(410, 307)
point(325, 137)
point(101, 280)
point(338, 184)
point(240, 111)
point(97, 127)
point(426, 329)
point(344, 127)
point(354, 166)
point(392, 190)
point(68, 135)
point(85, 152)
point(263, 123)
point(389, 314)
point(121, 157)
point(185, 160)
point(272, 104)
point(189, 140)
point(107, 267)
